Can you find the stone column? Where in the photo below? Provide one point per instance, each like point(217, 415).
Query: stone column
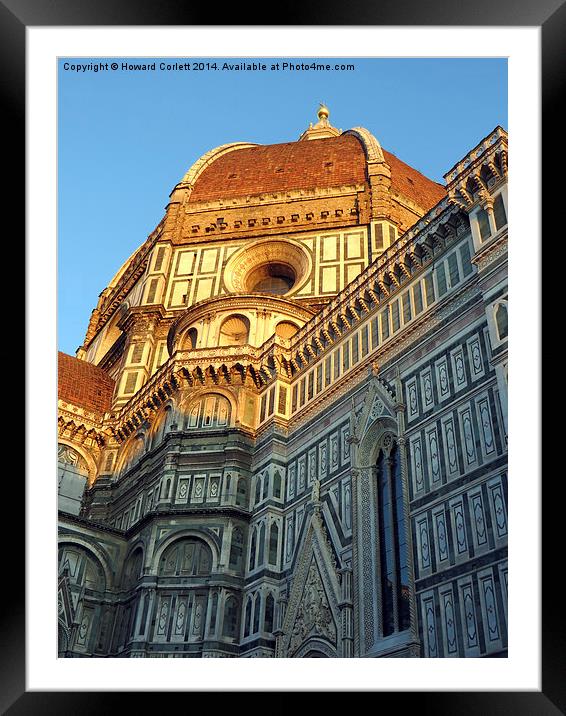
point(488, 206)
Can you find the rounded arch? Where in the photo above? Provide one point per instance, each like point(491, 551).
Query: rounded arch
point(209, 409)
point(138, 544)
point(280, 307)
point(368, 450)
point(133, 566)
point(85, 454)
point(133, 449)
point(286, 329)
point(191, 397)
point(234, 330)
point(187, 556)
point(161, 424)
point(93, 552)
point(189, 339)
point(169, 540)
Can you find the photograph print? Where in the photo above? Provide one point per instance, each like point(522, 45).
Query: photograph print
point(282, 367)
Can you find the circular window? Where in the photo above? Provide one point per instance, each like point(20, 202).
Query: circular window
point(274, 278)
point(273, 266)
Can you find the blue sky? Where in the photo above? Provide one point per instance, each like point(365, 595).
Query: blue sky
point(126, 138)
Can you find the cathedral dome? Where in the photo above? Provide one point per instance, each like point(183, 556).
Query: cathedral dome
point(346, 159)
point(329, 162)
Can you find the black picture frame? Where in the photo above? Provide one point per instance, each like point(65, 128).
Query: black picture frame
point(550, 16)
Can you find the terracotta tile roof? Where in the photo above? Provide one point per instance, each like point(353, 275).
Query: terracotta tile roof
point(318, 163)
point(278, 167)
point(408, 181)
point(84, 384)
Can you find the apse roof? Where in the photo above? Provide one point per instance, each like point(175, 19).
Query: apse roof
point(84, 384)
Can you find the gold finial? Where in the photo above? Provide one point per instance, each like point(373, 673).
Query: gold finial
point(323, 111)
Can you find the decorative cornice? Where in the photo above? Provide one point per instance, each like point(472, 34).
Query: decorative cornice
point(495, 248)
point(471, 180)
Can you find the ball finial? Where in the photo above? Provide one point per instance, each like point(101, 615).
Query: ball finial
point(323, 111)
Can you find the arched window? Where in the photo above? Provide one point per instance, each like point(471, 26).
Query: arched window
point(257, 612)
point(274, 278)
point(499, 213)
point(185, 557)
point(213, 612)
point(269, 613)
point(392, 541)
point(261, 550)
point(248, 617)
point(258, 489)
point(234, 331)
point(191, 337)
point(273, 543)
point(236, 549)
point(73, 474)
point(133, 451)
point(82, 568)
point(209, 412)
point(133, 569)
point(265, 486)
point(501, 320)
point(277, 484)
point(230, 625)
point(252, 549)
point(241, 493)
point(163, 425)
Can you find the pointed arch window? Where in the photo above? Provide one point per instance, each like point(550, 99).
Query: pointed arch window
point(273, 543)
point(392, 541)
point(213, 612)
point(257, 611)
point(258, 489)
point(269, 613)
point(230, 625)
point(253, 549)
point(261, 550)
point(277, 484)
point(236, 549)
point(501, 320)
point(241, 493)
point(265, 486)
point(248, 617)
